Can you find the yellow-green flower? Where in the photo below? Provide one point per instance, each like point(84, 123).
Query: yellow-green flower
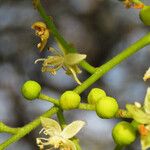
point(56, 137)
point(42, 31)
point(142, 116)
point(69, 62)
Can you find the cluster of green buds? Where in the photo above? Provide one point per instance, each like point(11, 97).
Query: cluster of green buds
point(123, 133)
point(106, 107)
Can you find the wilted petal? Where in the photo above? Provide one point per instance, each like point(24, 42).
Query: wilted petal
point(41, 31)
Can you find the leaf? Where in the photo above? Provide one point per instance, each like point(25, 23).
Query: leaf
point(73, 58)
point(147, 102)
point(138, 114)
point(51, 126)
point(145, 142)
point(72, 129)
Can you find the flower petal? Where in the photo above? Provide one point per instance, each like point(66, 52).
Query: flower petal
point(138, 114)
point(69, 144)
point(147, 101)
point(72, 129)
point(73, 58)
point(51, 126)
point(147, 75)
point(145, 142)
point(72, 71)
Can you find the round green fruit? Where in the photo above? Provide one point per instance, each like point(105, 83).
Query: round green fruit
point(106, 107)
point(145, 15)
point(124, 133)
point(95, 95)
point(31, 90)
point(69, 100)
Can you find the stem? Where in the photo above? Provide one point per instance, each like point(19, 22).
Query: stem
point(68, 49)
point(49, 22)
point(12, 130)
point(123, 114)
point(27, 128)
point(137, 2)
point(113, 62)
point(49, 99)
point(61, 118)
point(7, 129)
point(118, 147)
point(87, 67)
point(76, 142)
point(85, 106)
point(82, 106)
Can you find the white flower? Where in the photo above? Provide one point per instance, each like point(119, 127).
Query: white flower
point(57, 137)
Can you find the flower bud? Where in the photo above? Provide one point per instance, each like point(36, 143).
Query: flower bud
point(31, 90)
point(124, 133)
point(145, 15)
point(95, 95)
point(69, 100)
point(106, 107)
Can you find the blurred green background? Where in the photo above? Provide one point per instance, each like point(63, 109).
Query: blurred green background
point(98, 28)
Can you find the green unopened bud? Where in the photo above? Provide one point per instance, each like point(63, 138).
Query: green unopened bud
point(69, 100)
point(31, 90)
point(124, 133)
point(106, 107)
point(95, 95)
point(145, 15)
